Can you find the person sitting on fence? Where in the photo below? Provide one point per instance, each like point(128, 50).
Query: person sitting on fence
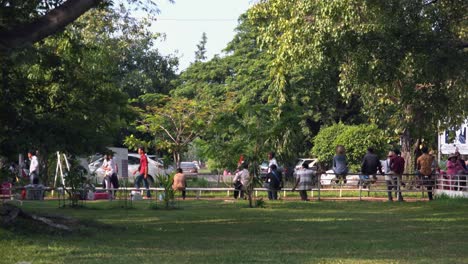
point(340, 166)
point(371, 164)
point(274, 181)
point(303, 181)
point(241, 181)
point(424, 167)
point(397, 167)
point(180, 182)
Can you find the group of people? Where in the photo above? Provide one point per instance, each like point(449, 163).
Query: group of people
point(393, 169)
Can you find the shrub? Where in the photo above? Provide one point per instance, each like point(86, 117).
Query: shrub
point(324, 144)
point(355, 139)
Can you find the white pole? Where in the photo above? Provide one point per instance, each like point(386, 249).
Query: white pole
point(438, 143)
point(56, 172)
point(61, 169)
point(66, 162)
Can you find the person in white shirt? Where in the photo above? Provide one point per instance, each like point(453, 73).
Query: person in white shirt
point(109, 168)
point(243, 177)
point(272, 161)
point(33, 168)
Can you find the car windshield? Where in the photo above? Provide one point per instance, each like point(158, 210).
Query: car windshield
point(187, 165)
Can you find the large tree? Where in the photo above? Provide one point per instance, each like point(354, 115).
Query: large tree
point(173, 122)
point(242, 83)
point(28, 21)
point(406, 60)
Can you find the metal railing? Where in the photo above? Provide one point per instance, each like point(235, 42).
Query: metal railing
point(408, 183)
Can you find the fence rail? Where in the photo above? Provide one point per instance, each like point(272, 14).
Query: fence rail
point(408, 183)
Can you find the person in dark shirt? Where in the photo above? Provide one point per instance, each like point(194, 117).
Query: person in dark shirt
point(274, 180)
point(371, 164)
point(397, 166)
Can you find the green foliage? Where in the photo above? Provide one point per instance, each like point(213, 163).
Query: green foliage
point(405, 60)
point(173, 122)
point(165, 181)
point(324, 142)
point(355, 139)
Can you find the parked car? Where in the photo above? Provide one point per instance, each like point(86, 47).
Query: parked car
point(329, 177)
point(154, 168)
point(308, 161)
point(264, 169)
point(188, 167)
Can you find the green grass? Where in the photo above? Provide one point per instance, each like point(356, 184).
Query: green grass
point(229, 232)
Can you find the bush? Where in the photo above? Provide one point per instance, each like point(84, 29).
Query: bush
point(324, 146)
point(355, 139)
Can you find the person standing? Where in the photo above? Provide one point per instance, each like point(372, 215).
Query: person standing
point(114, 177)
point(33, 167)
point(271, 161)
point(303, 181)
point(109, 169)
point(371, 164)
point(424, 167)
point(340, 165)
point(142, 172)
point(242, 180)
point(389, 175)
point(180, 182)
point(397, 167)
point(274, 180)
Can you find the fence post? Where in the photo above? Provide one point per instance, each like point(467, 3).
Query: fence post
point(360, 190)
point(318, 187)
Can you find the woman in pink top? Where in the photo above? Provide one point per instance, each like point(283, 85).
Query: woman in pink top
point(453, 166)
point(455, 169)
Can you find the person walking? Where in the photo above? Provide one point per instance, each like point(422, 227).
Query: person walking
point(424, 167)
point(180, 182)
point(142, 172)
point(397, 167)
point(33, 167)
point(340, 165)
point(243, 179)
point(371, 164)
point(303, 181)
point(274, 180)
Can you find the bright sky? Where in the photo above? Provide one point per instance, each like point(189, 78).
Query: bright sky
point(185, 21)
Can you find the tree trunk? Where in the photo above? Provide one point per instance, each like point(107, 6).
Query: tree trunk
point(406, 150)
point(47, 25)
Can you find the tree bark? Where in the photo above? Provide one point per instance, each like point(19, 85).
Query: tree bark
point(47, 25)
point(406, 150)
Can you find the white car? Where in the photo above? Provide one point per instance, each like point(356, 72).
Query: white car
point(154, 168)
point(312, 164)
point(329, 177)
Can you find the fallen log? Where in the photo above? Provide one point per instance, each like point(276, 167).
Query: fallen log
point(10, 214)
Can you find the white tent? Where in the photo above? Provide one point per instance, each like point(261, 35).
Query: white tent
point(454, 139)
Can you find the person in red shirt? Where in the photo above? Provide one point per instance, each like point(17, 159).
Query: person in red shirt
point(397, 165)
point(142, 172)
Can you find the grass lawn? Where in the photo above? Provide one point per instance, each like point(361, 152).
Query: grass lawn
point(229, 232)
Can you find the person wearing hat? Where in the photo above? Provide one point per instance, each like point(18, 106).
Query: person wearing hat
point(456, 170)
point(453, 166)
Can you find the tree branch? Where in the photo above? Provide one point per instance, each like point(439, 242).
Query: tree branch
point(47, 25)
